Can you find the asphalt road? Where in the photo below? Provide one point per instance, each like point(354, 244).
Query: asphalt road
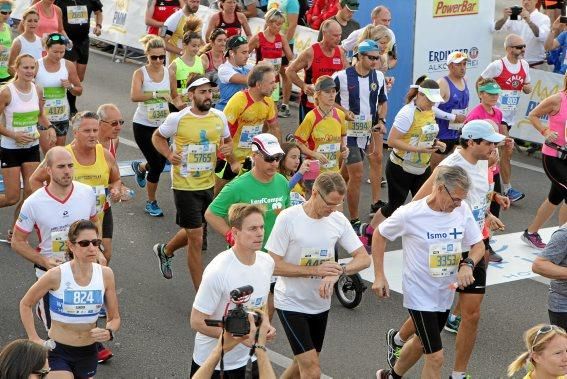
point(156, 341)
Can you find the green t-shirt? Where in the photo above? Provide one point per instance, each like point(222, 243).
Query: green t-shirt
point(247, 189)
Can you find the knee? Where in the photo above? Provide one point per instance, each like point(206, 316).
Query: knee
point(355, 177)
point(435, 359)
point(470, 315)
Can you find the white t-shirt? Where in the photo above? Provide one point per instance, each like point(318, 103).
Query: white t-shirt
point(53, 217)
point(478, 197)
point(227, 71)
point(431, 244)
point(294, 239)
point(224, 274)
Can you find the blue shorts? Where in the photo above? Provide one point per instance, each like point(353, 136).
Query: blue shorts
point(80, 360)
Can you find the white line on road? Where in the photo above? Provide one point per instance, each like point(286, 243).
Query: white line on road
point(527, 166)
point(285, 362)
point(128, 142)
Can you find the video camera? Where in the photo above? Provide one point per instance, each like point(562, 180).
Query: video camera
point(236, 321)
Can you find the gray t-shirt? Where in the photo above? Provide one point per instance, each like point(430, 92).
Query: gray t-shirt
point(556, 252)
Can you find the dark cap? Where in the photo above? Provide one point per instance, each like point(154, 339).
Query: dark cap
point(350, 4)
point(234, 42)
point(325, 84)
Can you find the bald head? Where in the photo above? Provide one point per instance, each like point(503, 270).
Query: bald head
point(331, 31)
point(381, 16)
point(57, 154)
point(513, 40)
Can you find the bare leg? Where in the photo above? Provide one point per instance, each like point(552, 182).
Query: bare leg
point(544, 212)
point(353, 188)
point(563, 214)
point(178, 241)
point(407, 330)
point(151, 189)
point(194, 255)
point(375, 161)
point(466, 337)
point(410, 354)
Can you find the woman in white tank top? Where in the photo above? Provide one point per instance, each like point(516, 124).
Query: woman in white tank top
point(154, 88)
point(77, 291)
point(21, 108)
point(56, 76)
point(27, 42)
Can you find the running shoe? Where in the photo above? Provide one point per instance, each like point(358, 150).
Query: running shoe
point(394, 349)
point(364, 237)
point(164, 260)
point(376, 206)
point(493, 256)
point(514, 195)
point(453, 323)
point(140, 176)
point(383, 374)
point(356, 225)
point(284, 111)
point(533, 240)
point(153, 209)
point(104, 354)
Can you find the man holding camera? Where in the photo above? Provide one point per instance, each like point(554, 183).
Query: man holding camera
point(531, 25)
point(242, 265)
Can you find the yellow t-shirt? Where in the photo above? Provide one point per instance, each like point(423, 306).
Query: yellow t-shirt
point(246, 119)
point(196, 138)
point(324, 135)
point(529, 376)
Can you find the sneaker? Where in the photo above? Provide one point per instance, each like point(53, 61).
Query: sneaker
point(394, 349)
point(356, 225)
point(533, 240)
point(140, 176)
point(514, 195)
point(102, 313)
point(453, 323)
point(104, 354)
point(383, 182)
point(493, 256)
point(375, 207)
point(153, 209)
point(164, 260)
point(284, 111)
point(364, 237)
point(382, 374)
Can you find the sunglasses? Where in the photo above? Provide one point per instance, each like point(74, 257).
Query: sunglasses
point(371, 57)
point(56, 38)
point(84, 243)
point(544, 330)
point(519, 47)
point(114, 123)
point(272, 158)
point(451, 196)
point(42, 373)
point(6, 12)
point(156, 57)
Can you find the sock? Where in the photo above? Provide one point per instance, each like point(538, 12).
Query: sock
point(506, 187)
point(393, 375)
point(458, 375)
point(398, 340)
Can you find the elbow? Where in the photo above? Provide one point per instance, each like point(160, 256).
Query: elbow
point(367, 261)
point(537, 268)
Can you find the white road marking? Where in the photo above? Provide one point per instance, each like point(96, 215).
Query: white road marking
point(285, 362)
point(527, 166)
point(128, 142)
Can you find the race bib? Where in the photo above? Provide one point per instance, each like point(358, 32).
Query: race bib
point(276, 62)
point(312, 256)
point(444, 259)
point(329, 150)
point(360, 127)
point(296, 198)
point(58, 244)
point(156, 110)
point(82, 302)
point(247, 133)
point(509, 100)
point(428, 134)
point(100, 194)
point(26, 122)
point(455, 125)
point(77, 14)
point(4, 58)
point(55, 107)
point(197, 158)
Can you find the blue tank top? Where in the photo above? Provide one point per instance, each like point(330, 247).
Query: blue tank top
point(458, 100)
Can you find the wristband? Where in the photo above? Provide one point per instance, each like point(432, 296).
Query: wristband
point(261, 347)
point(111, 334)
point(229, 238)
point(467, 262)
point(99, 26)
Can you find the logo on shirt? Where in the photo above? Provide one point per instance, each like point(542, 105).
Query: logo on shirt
point(65, 213)
point(454, 233)
point(515, 81)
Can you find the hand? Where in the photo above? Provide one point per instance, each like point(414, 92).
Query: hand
point(115, 194)
point(174, 158)
point(52, 136)
point(100, 335)
point(66, 84)
point(226, 149)
point(502, 200)
point(326, 286)
point(267, 331)
point(305, 166)
point(321, 158)
point(379, 128)
point(460, 118)
point(328, 268)
point(465, 276)
point(97, 30)
point(349, 116)
point(550, 135)
point(390, 82)
point(23, 138)
point(166, 97)
point(494, 223)
point(381, 287)
point(525, 15)
point(507, 12)
point(441, 146)
point(344, 152)
point(179, 103)
point(38, 340)
point(309, 89)
point(51, 262)
point(557, 26)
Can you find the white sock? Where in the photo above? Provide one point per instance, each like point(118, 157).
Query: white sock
point(506, 187)
point(398, 340)
point(458, 375)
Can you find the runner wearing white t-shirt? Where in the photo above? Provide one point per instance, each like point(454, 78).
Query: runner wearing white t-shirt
point(512, 73)
point(307, 270)
point(244, 264)
point(434, 232)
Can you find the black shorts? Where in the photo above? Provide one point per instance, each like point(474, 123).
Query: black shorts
point(17, 157)
point(285, 61)
point(191, 207)
point(223, 170)
point(81, 361)
point(80, 52)
point(61, 127)
point(428, 327)
point(304, 332)
point(451, 143)
point(236, 373)
point(479, 273)
point(355, 155)
point(107, 224)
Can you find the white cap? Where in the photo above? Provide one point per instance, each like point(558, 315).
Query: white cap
point(267, 144)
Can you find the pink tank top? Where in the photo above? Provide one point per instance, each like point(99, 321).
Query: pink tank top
point(46, 24)
point(558, 123)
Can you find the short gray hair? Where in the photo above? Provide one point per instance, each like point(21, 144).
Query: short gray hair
point(79, 117)
point(452, 177)
point(102, 111)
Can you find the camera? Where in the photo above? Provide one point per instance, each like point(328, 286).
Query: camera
point(516, 10)
point(236, 320)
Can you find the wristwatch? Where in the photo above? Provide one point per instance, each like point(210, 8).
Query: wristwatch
point(343, 265)
point(111, 334)
point(468, 262)
point(43, 129)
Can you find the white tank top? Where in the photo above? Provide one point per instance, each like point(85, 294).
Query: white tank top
point(74, 304)
point(21, 116)
point(154, 111)
point(56, 106)
point(35, 49)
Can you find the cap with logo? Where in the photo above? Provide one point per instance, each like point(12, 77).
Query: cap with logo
point(457, 57)
point(481, 129)
point(352, 5)
point(492, 88)
point(267, 144)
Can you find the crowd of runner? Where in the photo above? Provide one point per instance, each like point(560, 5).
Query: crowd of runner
point(277, 200)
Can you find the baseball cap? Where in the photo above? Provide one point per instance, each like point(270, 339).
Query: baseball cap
point(199, 81)
point(433, 94)
point(481, 129)
point(491, 88)
point(233, 42)
point(352, 5)
point(267, 144)
point(325, 84)
point(367, 46)
point(457, 57)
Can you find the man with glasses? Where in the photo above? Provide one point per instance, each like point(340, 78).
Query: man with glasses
point(362, 96)
point(478, 141)
point(263, 184)
point(512, 73)
point(233, 73)
point(193, 157)
point(302, 244)
point(434, 230)
point(110, 124)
